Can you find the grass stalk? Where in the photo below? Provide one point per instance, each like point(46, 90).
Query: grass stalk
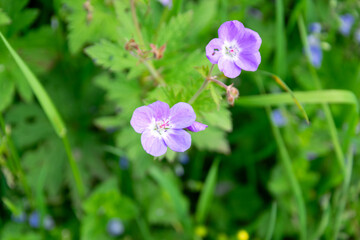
point(286, 163)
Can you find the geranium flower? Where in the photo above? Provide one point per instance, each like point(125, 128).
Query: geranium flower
point(162, 127)
point(236, 48)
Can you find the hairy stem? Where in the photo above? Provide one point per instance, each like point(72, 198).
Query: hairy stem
point(148, 64)
point(203, 86)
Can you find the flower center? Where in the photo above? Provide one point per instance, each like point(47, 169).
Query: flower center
point(230, 49)
point(162, 125)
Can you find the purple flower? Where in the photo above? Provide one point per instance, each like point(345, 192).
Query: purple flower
point(236, 48)
point(315, 27)
point(34, 220)
point(162, 127)
point(346, 22)
point(166, 3)
point(316, 54)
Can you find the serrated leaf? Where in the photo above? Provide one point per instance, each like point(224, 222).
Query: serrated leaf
point(111, 56)
point(215, 95)
point(84, 29)
point(221, 119)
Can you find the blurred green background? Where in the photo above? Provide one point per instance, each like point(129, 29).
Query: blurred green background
point(72, 167)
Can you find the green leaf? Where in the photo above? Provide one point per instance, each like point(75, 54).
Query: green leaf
point(7, 90)
point(39, 91)
point(312, 97)
point(211, 139)
point(89, 27)
point(4, 19)
point(207, 193)
point(111, 56)
point(175, 195)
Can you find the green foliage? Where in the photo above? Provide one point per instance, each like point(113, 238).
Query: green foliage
point(95, 61)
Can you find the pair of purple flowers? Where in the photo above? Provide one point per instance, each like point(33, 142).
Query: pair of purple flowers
point(236, 49)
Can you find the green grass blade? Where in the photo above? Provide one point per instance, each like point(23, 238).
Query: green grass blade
point(286, 163)
point(50, 111)
point(39, 91)
point(207, 193)
point(284, 86)
point(344, 193)
point(309, 97)
point(328, 115)
point(272, 221)
point(174, 194)
point(280, 54)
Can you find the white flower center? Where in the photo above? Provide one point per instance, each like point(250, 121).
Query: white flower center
point(162, 126)
point(230, 49)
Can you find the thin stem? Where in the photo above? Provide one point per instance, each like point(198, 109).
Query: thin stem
point(329, 118)
point(220, 83)
point(74, 168)
point(286, 163)
point(344, 193)
point(154, 72)
point(15, 161)
point(203, 86)
point(136, 23)
point(148, 64)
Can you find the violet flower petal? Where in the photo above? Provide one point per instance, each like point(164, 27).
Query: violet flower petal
point(250, 41)
point(177, 140)
point(214, 49)
point(197, 127)
point(248, 61)
point(228, 67)
point(231, 30)
point(153, 143)
point(142, 119)
point(161, 110)
point(182, 115)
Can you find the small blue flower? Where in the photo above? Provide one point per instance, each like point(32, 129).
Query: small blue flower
point(183, 158)
point(34, 219)
point(346, 23)
point(19, 218)
point(123, 163)
point(115, 227)
point(278, 118)
point(49, 222)
point(316, 54)
point(315, 27)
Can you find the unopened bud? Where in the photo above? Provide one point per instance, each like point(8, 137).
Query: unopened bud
point(158, 53)
point(232, 93)
point(131, 45)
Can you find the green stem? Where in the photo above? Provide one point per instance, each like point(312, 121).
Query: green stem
point(74, 168)
point(328, 115)
point(15, 161)
point(286, 162)
point(203, 86)
point(344, 192)
point(272, 221)
point(148, 64)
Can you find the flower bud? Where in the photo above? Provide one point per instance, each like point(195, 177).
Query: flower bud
point(158, 53)
point(232, 93)
point(131, 45)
